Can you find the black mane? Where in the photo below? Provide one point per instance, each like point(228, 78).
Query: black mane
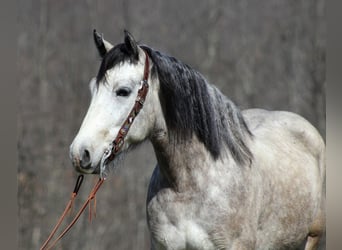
point(191, 105)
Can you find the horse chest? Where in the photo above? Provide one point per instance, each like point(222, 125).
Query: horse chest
point(184, 221)
point(176, 226)
point(184, 235)
point(194, 219)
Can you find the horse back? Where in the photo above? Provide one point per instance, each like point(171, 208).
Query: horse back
point(285, 132)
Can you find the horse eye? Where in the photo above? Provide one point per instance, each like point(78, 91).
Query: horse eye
point(123, 92)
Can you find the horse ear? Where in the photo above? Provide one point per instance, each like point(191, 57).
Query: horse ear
point(102, 45)
point(131, 44)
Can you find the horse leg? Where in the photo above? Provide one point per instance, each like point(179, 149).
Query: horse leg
point(316, 231)
point(312, 242)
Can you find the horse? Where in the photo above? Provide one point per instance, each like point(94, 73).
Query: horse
point(225, 178)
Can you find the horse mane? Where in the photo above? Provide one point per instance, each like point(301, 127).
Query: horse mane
point(191, 105)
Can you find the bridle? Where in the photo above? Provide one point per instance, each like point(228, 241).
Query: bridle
point(116, 145)
point(109, 155)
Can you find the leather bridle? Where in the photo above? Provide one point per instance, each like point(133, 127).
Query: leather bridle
point(109, 155)
point(118, 142)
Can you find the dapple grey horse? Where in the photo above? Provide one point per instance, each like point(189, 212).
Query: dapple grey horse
point(225, 178)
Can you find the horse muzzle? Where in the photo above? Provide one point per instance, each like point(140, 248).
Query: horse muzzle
point(82, 161)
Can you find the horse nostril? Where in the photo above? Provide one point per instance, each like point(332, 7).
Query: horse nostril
point(85, 159)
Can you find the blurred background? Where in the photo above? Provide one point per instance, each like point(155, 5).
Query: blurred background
point(267, 54)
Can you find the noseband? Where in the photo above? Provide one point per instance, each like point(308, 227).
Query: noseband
point(117, 144)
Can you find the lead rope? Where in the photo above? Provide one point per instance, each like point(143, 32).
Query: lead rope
point(90, 197)
point(68, 207)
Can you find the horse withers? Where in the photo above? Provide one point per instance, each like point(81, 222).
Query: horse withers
point(225, 178)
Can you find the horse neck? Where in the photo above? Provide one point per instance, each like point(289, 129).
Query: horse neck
point(182, 163)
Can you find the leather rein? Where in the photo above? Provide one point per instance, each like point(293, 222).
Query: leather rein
point(109, 155)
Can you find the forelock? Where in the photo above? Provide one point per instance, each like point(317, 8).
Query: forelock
point(117, 55)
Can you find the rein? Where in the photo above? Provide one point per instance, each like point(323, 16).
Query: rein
point(109, 155)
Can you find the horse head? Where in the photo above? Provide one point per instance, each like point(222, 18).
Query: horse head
point(114, 92)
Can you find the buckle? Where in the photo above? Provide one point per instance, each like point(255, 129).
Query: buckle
point(104, 162)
